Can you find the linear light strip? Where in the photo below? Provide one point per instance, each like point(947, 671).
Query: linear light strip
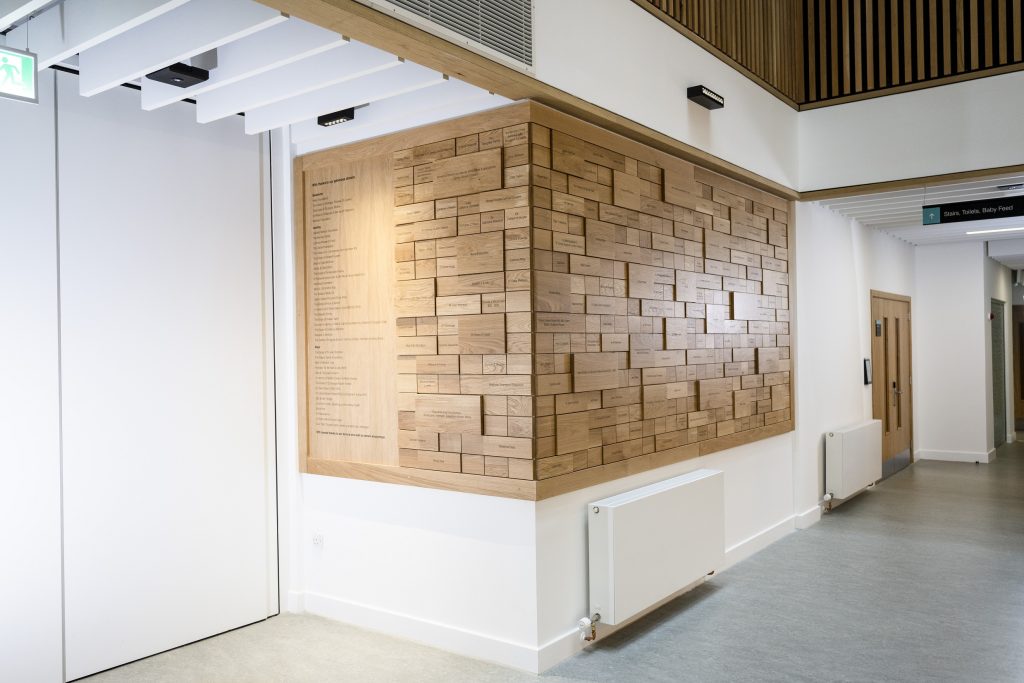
point(986, 232)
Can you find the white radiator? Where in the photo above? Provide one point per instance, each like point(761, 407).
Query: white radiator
point(853, 458)
point(651, 542)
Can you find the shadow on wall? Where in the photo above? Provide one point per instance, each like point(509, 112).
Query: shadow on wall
point(699, 120)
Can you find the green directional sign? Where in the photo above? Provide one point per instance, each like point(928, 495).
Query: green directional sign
point(18, 75)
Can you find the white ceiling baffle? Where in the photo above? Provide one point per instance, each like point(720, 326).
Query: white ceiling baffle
point(74, 26)
point(899, 212)
point(274, 69)
point(446, 100)
point(192, 29)
point(277, 46)
point(406, 78)
point(337, 65)
point(13, 11)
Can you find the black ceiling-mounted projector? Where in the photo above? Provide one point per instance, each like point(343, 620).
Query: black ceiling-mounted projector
point(180, 75)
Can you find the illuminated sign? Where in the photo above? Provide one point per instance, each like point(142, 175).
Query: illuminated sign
point(18, 75)
point(984, 209)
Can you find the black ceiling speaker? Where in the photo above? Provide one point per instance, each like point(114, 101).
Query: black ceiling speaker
point(180, 75)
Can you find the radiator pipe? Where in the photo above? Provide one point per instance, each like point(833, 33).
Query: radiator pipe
point(588, 627)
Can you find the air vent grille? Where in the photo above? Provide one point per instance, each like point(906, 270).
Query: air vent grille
point(505, 26)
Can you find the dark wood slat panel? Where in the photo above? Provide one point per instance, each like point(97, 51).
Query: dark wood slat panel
point(761, 36)
point(808, 52)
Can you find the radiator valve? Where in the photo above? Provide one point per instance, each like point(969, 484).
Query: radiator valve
point(588, 627)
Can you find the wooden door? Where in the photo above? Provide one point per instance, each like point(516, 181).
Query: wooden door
point(998, 372)
point(891, 377)
point(1018, 361)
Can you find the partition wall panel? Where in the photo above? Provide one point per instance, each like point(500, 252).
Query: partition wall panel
point(30, 572)
point(166, 492)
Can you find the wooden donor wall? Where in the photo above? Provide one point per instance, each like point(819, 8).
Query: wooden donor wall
point(519, 303)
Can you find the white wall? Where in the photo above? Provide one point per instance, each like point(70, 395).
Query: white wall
point(949, 324)
point(620, 57)
point(163, 378)
point(596, 49)
point(998, 280)
point(838, 262)
point(958, 127)
point(30, 572)
point(454, 570)
point(758, 511)
point(592, 49)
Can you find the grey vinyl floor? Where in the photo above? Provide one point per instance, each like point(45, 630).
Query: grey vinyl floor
point(919, 579)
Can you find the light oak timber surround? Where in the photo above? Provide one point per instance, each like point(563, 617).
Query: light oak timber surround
point(621, 311)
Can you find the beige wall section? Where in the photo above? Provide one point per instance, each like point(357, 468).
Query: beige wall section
point(570, 307)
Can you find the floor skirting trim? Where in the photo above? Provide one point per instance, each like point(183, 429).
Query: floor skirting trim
point(955, 456)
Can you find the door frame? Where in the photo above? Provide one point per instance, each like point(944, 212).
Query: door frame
point(877, 293)
point(1017, 360)
point(1002, 305)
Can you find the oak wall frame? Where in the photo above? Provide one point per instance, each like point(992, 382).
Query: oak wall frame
point(524, 489)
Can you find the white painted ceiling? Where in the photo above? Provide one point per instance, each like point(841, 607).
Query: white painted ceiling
point(898, 212)
point(278, 70)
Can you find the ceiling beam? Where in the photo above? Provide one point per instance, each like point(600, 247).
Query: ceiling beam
point(195, 27)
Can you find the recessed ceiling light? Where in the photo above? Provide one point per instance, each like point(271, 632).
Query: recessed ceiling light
point(986, 232)
point(1014, 186)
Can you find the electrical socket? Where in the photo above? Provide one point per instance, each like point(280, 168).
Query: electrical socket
point(318, 539)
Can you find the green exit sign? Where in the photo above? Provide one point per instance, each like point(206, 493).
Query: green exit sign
point(18, 75)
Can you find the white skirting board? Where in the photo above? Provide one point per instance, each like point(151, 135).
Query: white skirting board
point(956, 456)
point(453, 639)
point(482, 646)
point(808, 518)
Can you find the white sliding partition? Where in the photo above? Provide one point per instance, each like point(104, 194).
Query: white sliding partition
point(30, 636)
point(168, 490)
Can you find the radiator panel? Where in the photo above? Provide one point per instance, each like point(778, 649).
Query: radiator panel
point(651, 542)
point(853, 458)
